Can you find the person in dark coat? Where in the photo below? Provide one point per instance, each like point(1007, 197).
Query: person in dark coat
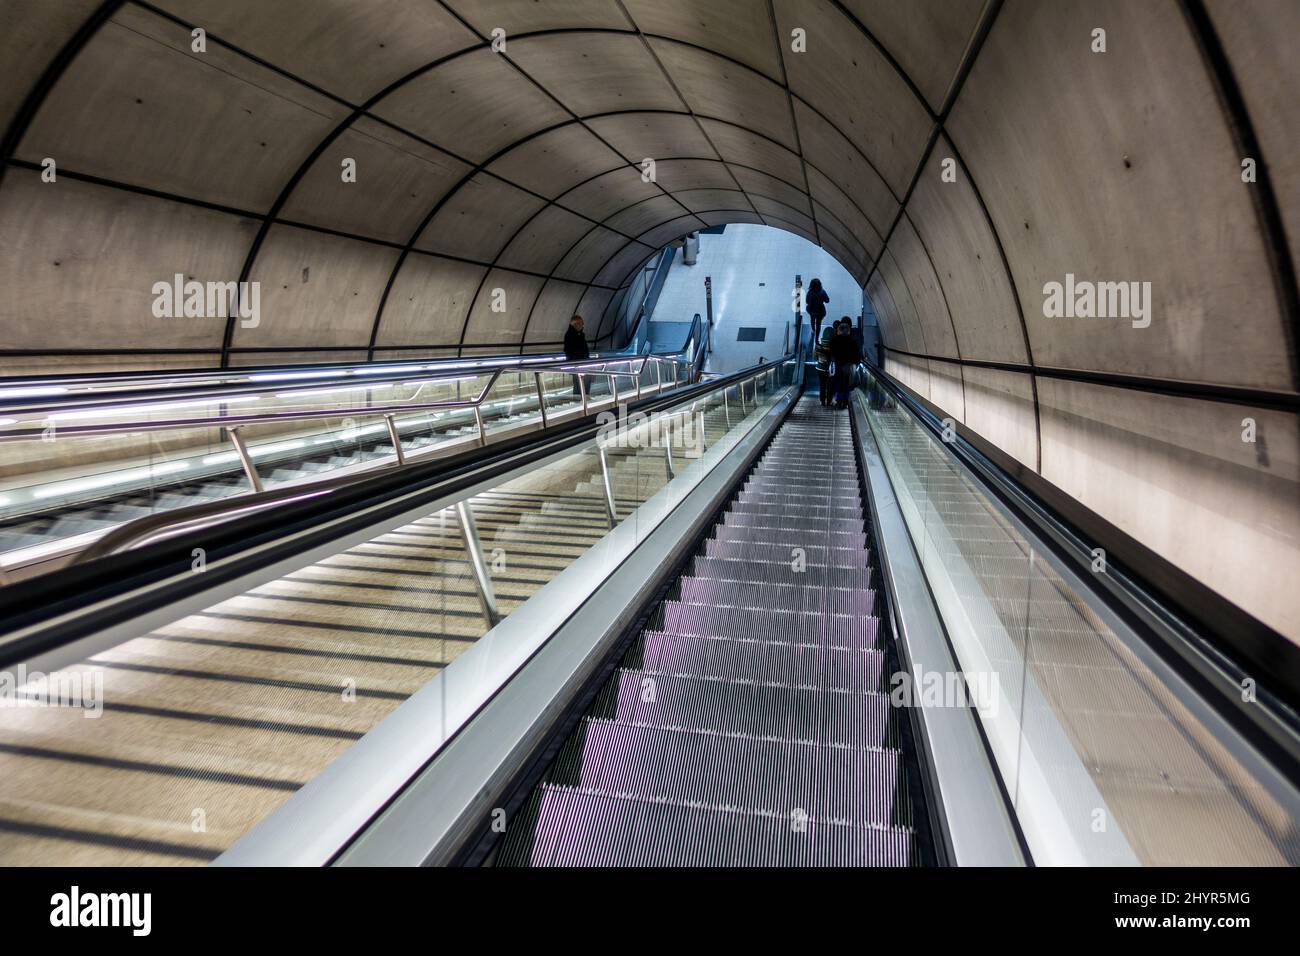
point(846, 353)
point(824, 364)
point(815, 301)
point(575, 347)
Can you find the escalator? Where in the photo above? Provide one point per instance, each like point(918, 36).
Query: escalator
point(673, 639)
point(749, 724)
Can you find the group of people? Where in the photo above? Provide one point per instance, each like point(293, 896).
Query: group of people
point(838, 352)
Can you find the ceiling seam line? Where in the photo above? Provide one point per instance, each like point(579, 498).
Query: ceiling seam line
point(690, 110)
point(794, 119)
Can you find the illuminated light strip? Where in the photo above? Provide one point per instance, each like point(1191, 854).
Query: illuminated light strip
point(104, 481)
point(31, 391)
point(333, 391)
point(146, 409)
point(255, 451)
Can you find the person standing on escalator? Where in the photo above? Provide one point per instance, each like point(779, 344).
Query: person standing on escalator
point(824, 364)
point(846, 353)
point(815, 300)
point(575, 347)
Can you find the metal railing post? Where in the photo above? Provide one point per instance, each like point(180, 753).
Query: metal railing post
point(396, 439)
point(611, 509)
point(726, 407)
point(668, 444)
point(482, 577)
point(478, 420)
point(541, 396)
point(250, 471)
point(582, 390)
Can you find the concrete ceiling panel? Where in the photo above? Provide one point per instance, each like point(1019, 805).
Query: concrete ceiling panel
point(584, 260)
point(738, 145)
point(640, 136)
point(134, 108)
point(646, 214)
point(616, 190)
point(700, 199)
point(316, 289)
point(595, 302)
point(789, 225)
point(949, 219)
point(675, 175)
point(830, 228)
point(542, 243)
point(556, 161)
point(596, 72)
point(78, 263)
point(31, 33)
point(474, 105)
point(513, 292)
point(925, 37)
point(1000, 407)
point(739, 29)
point(478, 219)
point(526, 16)
point(728, 216)
point(557, 304)
point(834, 156)
point(761, 184)
point(927, 295)
point(721, 89)
point(830, 196)
point(354, 50)
point(1121, 168)
point(896, 328)
point(1264, 31)
point(428, 301)
point(398, 180)
point(856, 267)
point(846, 78)
point(666, 232)
point(623, 263)
point(772, 207)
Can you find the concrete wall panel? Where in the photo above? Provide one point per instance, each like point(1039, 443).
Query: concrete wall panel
point(78, 263)
point(947, 215)
point(31, 34)
point(555, 307)
point(846, 79)
point(1000, 407)
point(761, 184)
point(606, 195)
point(926, 37)
point(138, 107)
point(333, 43)
point(543, 242)
point(556, 161)
point(652, 135)
point(739, 29)
point(835, 157)
point(474, 105)
point(477, 220)
point(646, 214)
point(595, 72)
point(1120, 167)
point(428, 302)
point(518, 292)
point(398, 180)
point(741, 146)
point(317, 289)
point(923, 285)
point(716, 88)
point(524, 16)
point(1175, 474)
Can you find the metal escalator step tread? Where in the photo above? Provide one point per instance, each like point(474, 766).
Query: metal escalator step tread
point(829, 718)
point(776, 777)
point(566, 827)
point(766, 623)
point(789, 664)
point(777, 572)
point(807, 597)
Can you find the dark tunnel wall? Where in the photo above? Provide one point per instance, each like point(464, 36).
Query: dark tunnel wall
point(512, 178)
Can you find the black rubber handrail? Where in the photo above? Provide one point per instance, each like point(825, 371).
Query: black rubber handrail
point(49, 609)
point(1209, 641)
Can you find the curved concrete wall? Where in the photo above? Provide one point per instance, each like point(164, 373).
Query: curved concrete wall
point(955, 155)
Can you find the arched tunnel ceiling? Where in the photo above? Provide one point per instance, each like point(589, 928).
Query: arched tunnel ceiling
point(476, 169)
point(519, 170)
